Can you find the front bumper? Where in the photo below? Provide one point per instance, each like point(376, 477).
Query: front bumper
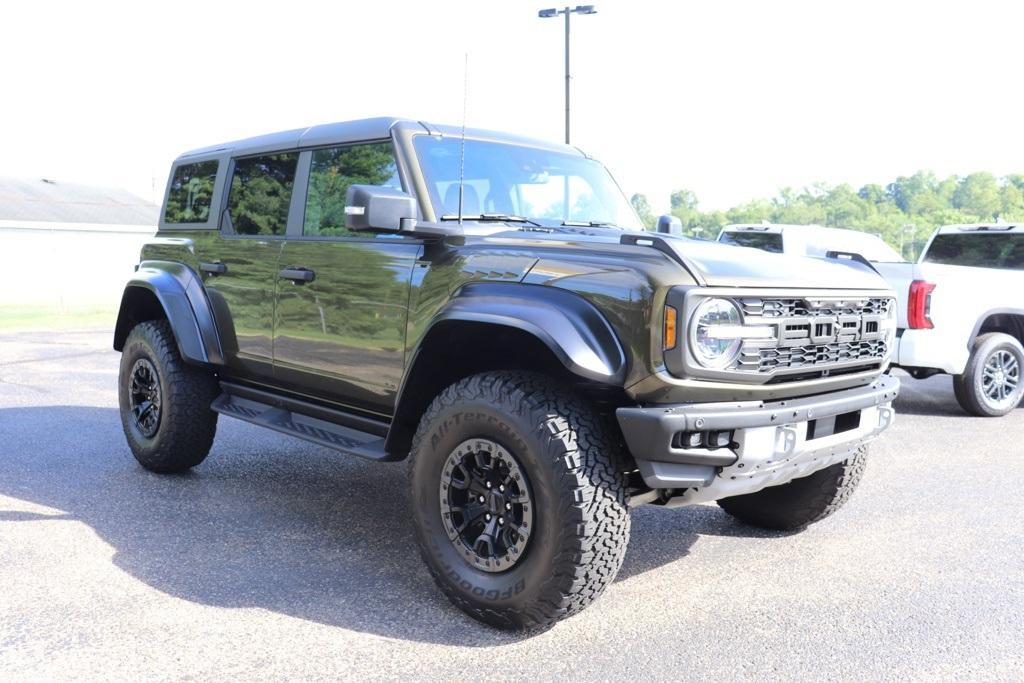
point(768, 443)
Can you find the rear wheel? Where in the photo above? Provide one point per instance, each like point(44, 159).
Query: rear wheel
point(991, 385)
point(165, 403)
point(518, 499)
point(803, 501)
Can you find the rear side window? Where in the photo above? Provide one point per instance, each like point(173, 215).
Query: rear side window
point(190, 194)
point(261, 191)
point(331, 173)
point(765, 241)
point(978, 250)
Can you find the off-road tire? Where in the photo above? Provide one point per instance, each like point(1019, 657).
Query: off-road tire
point(803, 501)
point(969, 387)
point(570, 456)
point(187, 425)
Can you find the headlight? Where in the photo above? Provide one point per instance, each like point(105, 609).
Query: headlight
point(713, 337)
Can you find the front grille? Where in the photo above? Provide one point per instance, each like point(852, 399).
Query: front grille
point(815, 334)
point(801, 308)
point(767, 360)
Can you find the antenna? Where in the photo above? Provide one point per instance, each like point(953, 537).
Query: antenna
point(462, 144)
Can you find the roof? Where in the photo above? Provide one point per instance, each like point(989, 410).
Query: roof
point(353, 131)
point(982, 227)
point(40, 200)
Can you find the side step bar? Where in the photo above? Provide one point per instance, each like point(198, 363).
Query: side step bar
point(282, 415)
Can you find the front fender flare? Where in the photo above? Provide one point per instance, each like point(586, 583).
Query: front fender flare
point(183, 298)
point(572, 327)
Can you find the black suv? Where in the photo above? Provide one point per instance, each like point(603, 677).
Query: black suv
point(490, 308)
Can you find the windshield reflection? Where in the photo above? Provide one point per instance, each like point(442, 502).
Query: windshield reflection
point(507, 181)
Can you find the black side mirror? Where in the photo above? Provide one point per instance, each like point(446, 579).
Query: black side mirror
point(670, 225)
point(371, 207)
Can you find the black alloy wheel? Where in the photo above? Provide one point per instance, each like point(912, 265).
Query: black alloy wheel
point(485, 504)
point(144, 397)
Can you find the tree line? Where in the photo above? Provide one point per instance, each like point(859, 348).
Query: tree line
point(904, 212)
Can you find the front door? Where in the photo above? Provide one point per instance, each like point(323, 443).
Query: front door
point(343, 297)
point(240, 266)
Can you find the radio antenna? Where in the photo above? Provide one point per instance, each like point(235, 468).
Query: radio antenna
point(462, 144)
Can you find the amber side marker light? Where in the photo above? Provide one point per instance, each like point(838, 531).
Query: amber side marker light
point(669, 336)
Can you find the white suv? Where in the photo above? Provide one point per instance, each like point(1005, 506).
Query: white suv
point(961, 312)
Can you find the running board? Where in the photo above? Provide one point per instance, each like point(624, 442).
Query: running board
point(321, 432)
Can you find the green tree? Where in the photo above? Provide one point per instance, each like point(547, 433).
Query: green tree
point(978, 195)
point(643, 209)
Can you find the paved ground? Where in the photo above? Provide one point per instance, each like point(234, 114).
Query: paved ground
point(278, 560)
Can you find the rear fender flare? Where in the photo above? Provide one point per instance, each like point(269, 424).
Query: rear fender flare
point(183, 298)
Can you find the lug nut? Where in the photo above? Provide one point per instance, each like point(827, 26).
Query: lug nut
point(481, 499)
point(487, 517)
point(488, 484)
point(501, 520)
point(508, 506)
point(501, 488)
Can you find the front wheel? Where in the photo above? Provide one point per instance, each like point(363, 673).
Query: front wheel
point(518, 499)
point(803, 501)
point(991, 385)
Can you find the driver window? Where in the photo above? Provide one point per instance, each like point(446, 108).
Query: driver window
point(331, 173)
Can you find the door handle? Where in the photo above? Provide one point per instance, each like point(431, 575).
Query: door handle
point(297, 275)
point(213, 268)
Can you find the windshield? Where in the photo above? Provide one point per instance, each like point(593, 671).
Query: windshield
point(547, 187)
point(766, 241)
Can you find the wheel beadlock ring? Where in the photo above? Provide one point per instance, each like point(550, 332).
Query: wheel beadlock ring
point(486, 506)
point(144, 397)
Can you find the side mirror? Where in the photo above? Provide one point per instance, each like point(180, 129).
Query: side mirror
point(371, 207)
point(670, 225)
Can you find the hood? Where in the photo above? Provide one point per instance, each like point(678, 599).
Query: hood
point(715, 264)
point(724, 265)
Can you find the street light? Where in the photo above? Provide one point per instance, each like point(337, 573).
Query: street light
point(550, 14)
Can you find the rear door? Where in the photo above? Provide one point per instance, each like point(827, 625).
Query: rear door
point(343, 297)
point(240, 264)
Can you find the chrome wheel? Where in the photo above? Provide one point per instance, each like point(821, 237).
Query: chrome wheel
point(1001, 378)
point(144, 397)
point(485, 505)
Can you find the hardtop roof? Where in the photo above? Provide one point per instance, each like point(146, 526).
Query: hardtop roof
point(377, 128)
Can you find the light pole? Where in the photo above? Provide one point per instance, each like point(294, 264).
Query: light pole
point(906, 229)
point(553, 12)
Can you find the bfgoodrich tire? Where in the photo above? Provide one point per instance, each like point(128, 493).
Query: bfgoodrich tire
point(803, 501)
point(165, 404)
point(552, 538)
point(992, 384)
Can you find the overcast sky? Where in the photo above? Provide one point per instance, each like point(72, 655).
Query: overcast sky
point(730, 99)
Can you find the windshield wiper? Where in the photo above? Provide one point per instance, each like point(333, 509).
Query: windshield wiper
point(491, 217)
point(589, 224)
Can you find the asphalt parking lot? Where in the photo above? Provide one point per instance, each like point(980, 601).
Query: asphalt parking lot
point(276, 559)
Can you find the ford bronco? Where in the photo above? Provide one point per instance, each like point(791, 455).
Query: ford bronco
point(489, 308)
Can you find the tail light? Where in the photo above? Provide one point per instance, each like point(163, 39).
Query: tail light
point(919, 305)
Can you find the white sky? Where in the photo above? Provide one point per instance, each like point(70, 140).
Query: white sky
point(730, 99)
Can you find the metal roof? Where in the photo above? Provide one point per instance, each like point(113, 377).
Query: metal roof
point(39, 200)
point(353, 131)
point(981, 227)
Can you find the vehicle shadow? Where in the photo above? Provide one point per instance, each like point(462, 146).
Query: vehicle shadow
point(270, 522)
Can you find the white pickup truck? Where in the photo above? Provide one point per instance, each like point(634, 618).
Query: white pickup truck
point(961, 312)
